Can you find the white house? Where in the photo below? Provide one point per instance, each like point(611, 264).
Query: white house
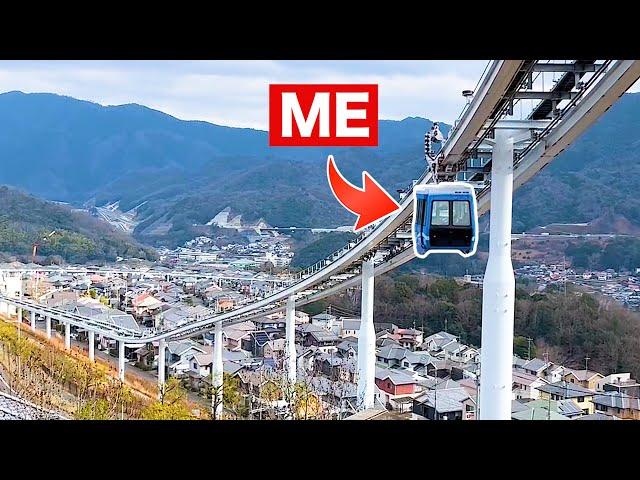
point(468, 354)
point(179, 355)
point(613, 378)
point(526, 385)
point(553, 373)
point(350, 327)
point(437, 341)
point(328, 322)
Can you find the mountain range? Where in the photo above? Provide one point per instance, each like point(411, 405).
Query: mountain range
point(177, 174)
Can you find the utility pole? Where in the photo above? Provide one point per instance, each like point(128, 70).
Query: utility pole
point(529, 340)
point(586, 363)
point(435, 398)
point(564, 275)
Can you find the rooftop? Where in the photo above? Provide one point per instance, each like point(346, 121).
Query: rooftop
point(444, 401)
point(617, 400)
point(324, 336)
point(323, 317)
point(376, 414)
point(523, 378)
point(584, 375)
point(351, 324)
point(597, 416)
point(566, 390)
point(396, 376)
point(394, 352)
point(537, 413)
point(535, 364)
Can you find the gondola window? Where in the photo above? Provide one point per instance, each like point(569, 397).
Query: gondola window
point(461, 214)
point(440, 213)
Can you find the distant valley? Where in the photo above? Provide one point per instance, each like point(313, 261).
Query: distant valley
point(58, 233)
point(158, 177)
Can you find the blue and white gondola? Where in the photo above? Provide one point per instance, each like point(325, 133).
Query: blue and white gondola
point(445, 219)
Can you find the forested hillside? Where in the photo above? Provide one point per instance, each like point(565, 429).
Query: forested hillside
point(567, 327)
point(60, 232)
point(180, 173)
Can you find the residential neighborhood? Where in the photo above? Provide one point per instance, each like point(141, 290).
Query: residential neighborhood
point(621, 286)
point(417, 376)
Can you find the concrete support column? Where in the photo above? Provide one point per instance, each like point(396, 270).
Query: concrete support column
point(498, 295)
point(33, 320)
point(217, 371)
point(366, 341)
point(47, 323)
point(290, 342)
point(92, 346)
point(67, 336)
point(162, 346)
point(20, 314)
point(121, 360)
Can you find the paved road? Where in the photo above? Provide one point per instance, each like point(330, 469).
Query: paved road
point(146, 375)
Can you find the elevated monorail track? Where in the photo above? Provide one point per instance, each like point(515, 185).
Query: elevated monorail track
point(585, 90)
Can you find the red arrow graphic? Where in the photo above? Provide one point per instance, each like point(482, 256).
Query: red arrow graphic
point(370, 203)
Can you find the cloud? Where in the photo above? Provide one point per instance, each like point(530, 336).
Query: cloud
point(235, 92)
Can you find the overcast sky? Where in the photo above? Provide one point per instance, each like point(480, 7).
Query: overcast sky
point(236, 92)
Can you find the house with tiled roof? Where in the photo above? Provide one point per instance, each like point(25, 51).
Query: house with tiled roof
point(525, 385)
point(350, 327)
point(396, 386)
point(445, 404)
point(348, 347)
point(619, 404)
point(582, 397)
point(437, 341)
point(586, 378)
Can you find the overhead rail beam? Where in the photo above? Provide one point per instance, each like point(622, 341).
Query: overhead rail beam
point(528, 95)
point(342, 270)
point(492, 90)
point(566, 67)
point(566, 83)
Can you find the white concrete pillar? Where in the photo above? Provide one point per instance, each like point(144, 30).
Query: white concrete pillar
point(366, 341)
point(33, 320)
point(498, 295)
point(47, 323)
point(121, 360)
point(92, 346)
point(290, 342)
point(19, 314)
point(217, 370)
point(67, 336)
point(162, 346)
